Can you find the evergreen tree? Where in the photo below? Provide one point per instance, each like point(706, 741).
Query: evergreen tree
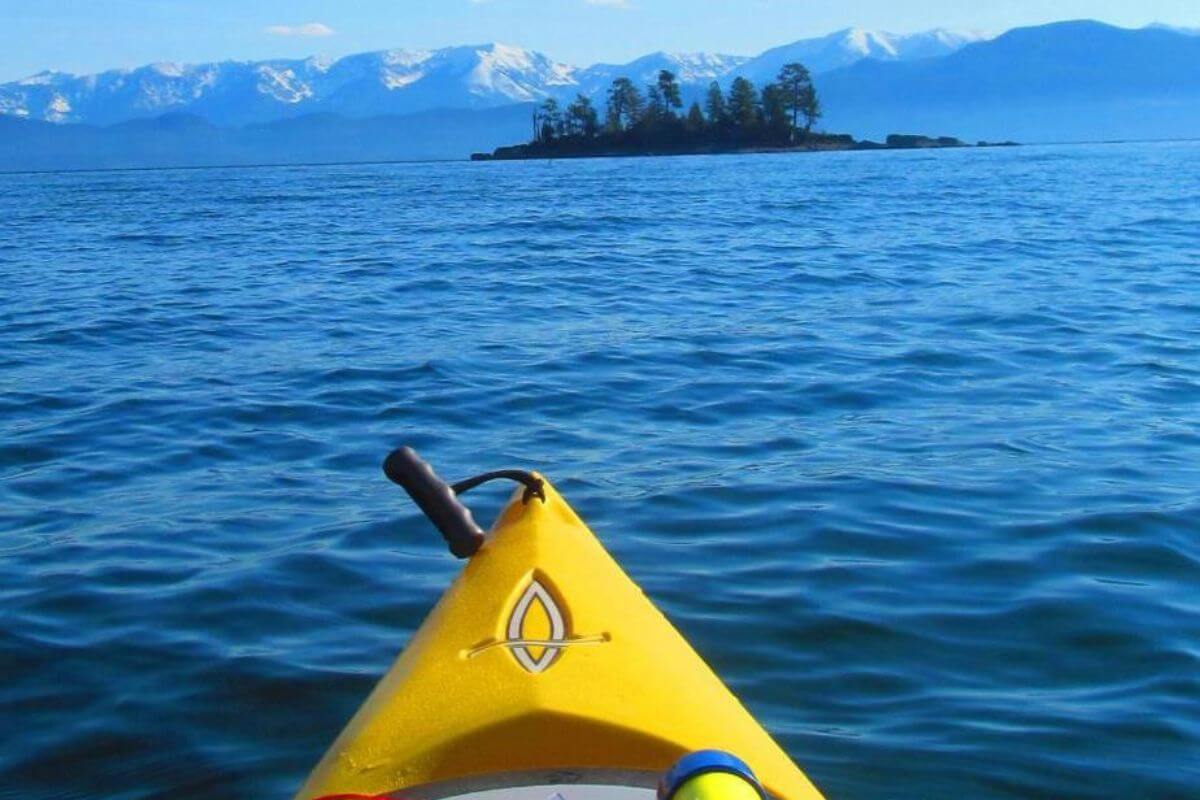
point(582, 117)
point(656, 105)
point(625, 106)
point(799, 95)
point(714, 106)
point(743, 104)
point(695, 119)
point(775, 113)
point(810, 108)
point(668, 89)
point(552, 122)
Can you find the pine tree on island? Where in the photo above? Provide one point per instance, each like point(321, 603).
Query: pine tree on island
point(651, 119)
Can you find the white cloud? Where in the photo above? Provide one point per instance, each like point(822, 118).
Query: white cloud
point(307, 29)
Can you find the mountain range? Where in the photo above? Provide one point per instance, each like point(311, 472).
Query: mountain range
point(1070, 80)
point(1063, 81)
point(408, 81)
point(852, 45)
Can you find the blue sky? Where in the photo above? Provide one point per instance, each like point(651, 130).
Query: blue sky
point(91, 35)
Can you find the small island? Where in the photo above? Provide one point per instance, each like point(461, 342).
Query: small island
point(779, 118)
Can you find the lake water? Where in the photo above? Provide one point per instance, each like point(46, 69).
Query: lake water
point(908, 444)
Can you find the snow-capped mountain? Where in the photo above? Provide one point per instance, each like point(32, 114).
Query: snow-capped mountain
point(225, 92)
point(400, 81)
point(849, 46)
point(1162, 26)
point(408, 81)
point(387, 82)
point(691, 69)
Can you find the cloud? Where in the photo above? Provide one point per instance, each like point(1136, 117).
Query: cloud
point(307, 29)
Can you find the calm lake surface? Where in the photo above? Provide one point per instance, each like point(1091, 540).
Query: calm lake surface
point(908, 444)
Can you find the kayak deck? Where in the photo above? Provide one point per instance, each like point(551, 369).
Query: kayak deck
point(554, 785)
point(543, 657)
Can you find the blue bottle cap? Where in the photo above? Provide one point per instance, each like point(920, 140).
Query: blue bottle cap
point(703, 761)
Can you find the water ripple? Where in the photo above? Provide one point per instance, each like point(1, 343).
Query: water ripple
point(906, 443)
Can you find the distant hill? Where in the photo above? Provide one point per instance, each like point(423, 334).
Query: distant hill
point(1069, 80)
point(182, 140)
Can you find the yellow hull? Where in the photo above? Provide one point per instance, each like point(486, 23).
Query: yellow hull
point(543, 656)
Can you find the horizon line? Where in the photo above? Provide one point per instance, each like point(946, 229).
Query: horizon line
point(468, 161)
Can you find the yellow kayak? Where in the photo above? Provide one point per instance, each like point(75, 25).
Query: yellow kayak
point(542, 671)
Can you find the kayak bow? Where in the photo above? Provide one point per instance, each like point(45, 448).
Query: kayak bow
point(542, 669)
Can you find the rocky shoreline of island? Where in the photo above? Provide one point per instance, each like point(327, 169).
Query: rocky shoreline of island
point(814, 143)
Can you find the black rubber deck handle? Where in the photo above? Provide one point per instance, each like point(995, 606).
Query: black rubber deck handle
point(436, 499)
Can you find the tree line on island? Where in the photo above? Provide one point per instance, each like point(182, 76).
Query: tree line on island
point(652, 122)
point(782, 114)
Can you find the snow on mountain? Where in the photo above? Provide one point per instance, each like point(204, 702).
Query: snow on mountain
point(1162, 26)
point(691, 69)
point(849, 46)
point(409, 81)
point(387, 82)
point(402, 81)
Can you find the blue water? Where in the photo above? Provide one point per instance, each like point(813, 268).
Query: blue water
point(908, 444)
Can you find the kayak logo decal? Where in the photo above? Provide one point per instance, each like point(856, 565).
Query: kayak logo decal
point(525, 615)
point(536, 631)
